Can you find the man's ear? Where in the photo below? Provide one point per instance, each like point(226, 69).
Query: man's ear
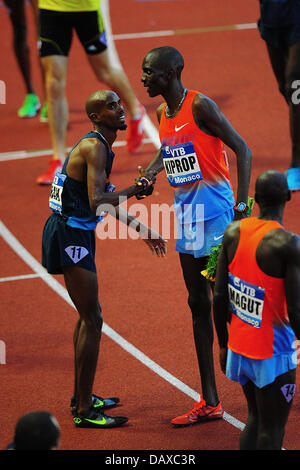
point(169, 73)
point(94, 117)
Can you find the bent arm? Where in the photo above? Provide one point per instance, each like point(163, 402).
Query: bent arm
point(95, 157)
point(207, 112)
point(221, 299)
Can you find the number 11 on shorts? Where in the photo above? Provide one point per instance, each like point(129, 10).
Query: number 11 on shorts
point(76, 253)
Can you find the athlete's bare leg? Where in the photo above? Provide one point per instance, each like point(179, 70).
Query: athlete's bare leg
point(82, 286)
point(55, 69)
point(268, 409)
point(199, 301)
point(286, 67)
point(115, 78)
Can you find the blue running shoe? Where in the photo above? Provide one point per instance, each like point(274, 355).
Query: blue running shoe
point(293, 178)
point(97, 403)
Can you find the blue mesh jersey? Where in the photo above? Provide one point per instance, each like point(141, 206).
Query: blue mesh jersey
point(69, 197)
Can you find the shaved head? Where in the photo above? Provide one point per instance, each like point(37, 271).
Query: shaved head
point(168, 57)
point(271, 188)
point(104, 108)
point(96, 101)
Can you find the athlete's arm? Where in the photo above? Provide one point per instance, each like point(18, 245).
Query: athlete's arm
point(221, 303)
point(152, 238)
point(95, 158)
point(292, 284)
point(207, 113)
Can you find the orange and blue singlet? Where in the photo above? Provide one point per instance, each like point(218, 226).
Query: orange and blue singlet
point(196, 166)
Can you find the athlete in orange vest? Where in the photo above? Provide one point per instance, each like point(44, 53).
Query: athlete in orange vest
point(193, 132)
point(258, 279)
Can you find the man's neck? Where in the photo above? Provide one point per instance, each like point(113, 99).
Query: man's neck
point(108, 135)
point(271, 213)
point(174, 95)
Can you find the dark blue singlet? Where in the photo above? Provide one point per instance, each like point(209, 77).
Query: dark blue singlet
point(75, 200)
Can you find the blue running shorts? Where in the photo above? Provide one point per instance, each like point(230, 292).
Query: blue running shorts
point(261, 372)
point(198, 238)
point(63, 245)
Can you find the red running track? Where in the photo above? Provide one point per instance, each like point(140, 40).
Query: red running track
point(143, 298)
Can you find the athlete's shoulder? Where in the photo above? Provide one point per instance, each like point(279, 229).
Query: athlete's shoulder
point(91, 147)
point(203, 104)
point(292, 243)
point(232, 231)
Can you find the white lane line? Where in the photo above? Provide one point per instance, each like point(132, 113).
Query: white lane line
point(18, 278)
point(175, 32)
point(21, 154)
point(146, 34)
point(38, 269)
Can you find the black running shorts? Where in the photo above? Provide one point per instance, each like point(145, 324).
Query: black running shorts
point(279, 22)
point(56, 32)
point(66, 246)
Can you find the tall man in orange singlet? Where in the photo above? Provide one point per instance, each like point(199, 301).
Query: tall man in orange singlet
point(193, 132)
point(258, 277)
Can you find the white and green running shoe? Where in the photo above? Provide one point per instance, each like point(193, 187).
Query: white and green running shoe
point(30, 107)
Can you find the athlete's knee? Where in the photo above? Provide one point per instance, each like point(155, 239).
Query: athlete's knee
point(270, 438)
point(55, 86)
point(55, 76)
point(199, 302)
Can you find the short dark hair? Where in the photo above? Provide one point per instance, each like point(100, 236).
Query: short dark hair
point(168, 56)
point(271, 188)
point(36, 431)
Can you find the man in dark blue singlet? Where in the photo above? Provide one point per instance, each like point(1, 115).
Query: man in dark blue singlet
point(79, 195)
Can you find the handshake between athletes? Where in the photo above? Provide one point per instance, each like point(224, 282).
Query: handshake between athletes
point(146, 182)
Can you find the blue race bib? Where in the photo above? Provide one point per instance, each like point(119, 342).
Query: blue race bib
point(181, 164)
point(246, 300)
point(55, 199)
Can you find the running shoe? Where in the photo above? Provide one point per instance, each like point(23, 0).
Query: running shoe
point(200, 412)
point(47, 178)
point(96, 419)
point(44, 113)
point(30, 106)
point(293, 178)
point(136, 132)
point(97, 403)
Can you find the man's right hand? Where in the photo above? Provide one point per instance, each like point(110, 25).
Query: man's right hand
point(146, 182)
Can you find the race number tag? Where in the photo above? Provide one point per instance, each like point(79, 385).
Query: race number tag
point(55, 199)
point(181, 164)
point(246, 300)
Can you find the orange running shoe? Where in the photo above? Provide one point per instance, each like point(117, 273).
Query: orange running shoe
point(200, 412)
point(136, 132)
point(47, 178)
